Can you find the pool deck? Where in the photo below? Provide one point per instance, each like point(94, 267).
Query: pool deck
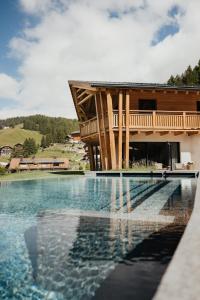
point(159, 173)
point(181, 280)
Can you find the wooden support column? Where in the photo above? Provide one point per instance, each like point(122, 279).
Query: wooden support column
point(111, 133)
point(127, 130)
point(104, 133)
point(91, 157)
point(120, 107)
point(99, 118)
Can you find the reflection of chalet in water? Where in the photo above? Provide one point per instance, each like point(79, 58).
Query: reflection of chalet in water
point(127, 123)
point(6, 150)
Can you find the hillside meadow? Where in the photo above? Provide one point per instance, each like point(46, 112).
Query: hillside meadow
point(12, 136)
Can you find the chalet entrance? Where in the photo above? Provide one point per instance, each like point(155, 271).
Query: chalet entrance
point(147, 153)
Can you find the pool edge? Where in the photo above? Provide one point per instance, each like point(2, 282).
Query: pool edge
point(181, 280)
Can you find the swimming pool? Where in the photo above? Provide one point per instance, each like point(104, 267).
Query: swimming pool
point(72, 238)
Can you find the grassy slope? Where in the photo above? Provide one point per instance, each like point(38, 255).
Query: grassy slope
point(57, 151)
point(16, 135)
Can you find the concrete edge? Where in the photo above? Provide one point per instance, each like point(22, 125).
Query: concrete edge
point(182, 278)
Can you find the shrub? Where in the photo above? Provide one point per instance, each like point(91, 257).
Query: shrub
point(2, 170)
point(80, 167)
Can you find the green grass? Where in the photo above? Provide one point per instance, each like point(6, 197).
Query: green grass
point(26, 175)
point(29, 175)
point(12, 136)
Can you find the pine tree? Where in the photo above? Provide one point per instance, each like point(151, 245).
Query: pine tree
point(49, 140)
point(30, 147)
point(171, 80)
point(188, 77)
point(43, 142)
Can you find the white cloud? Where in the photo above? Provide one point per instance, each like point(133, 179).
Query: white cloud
point(9, 87)
point(77, 40)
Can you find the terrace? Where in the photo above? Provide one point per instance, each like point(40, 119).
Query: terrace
point(147, 121)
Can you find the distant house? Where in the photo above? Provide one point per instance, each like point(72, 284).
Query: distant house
point(38, 164)
point(76, 136)
point(6, 150)
point(18, 146)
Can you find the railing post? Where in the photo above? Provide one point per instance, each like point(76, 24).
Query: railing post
point(184, 120)
point(154, 119)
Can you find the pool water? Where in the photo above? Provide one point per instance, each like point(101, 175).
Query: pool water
point(82, 238)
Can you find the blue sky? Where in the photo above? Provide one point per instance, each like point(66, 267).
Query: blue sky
point(44, 43)
point(11, 24)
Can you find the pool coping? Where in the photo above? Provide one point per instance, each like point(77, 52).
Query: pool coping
point(181, 280)
point(154, 173)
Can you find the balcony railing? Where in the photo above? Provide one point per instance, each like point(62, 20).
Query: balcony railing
point(89, 127)
point(163, 120)
point(147, 120)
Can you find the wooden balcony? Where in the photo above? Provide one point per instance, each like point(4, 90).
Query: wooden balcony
point(160, 120)
point(89, 127)
point(147, 121)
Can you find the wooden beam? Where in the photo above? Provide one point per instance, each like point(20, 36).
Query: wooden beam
point(178, 132)
point(98, 114)
point(111, 133)
point(91, 157)
point(135, 132)
point(82, 94)
point(104, 132)
point(120, 108)
point(127, 130)
point(164, 132)
point(85, 99)
point(149, 132)
point(192, 132)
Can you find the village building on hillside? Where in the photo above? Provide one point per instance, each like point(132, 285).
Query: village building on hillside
point(74, 137)
point(6, 150)
point(18, 146)
point(24, 164)
point(127, 124)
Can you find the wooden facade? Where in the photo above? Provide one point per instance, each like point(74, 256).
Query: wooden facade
point(110, 114)
point(29, 164)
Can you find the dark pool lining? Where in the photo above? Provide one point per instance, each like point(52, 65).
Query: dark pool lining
point(139, 275)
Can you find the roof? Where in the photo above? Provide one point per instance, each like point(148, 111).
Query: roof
point(6, 146)
point(133, 85)
point(42, 160)
point(75, 132)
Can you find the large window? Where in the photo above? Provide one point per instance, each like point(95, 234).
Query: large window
point(147, 153)
point(198, 106)
point(147, 104)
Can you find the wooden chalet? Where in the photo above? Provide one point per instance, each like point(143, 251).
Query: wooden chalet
point(25, 164)
point(128, 123)
point(6, 150)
